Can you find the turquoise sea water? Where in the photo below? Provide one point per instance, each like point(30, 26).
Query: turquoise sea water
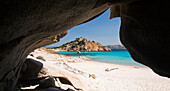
point(118, 56)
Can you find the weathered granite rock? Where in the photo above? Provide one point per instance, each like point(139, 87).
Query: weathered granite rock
point(29, 73)
point(47, 77)
point(82, 44)
point(29, 24)
point(46, 83)
point(145, 33)
point(33, 67)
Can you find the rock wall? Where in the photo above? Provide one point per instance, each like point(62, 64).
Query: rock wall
point(144, 32)
point(29, 24)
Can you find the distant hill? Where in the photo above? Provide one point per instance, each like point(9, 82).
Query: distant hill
point(82, 44)
point(116, 46)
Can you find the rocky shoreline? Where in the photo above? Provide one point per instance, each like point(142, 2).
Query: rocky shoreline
point(82, 74)
point(82, 45)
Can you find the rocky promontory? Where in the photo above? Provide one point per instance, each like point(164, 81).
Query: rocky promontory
point(116, 46)
point(82, 45)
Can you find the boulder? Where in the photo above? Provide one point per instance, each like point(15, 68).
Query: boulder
point(33, 67)
point(46, 83)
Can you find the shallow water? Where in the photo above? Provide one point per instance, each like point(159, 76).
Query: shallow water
point(118, 56)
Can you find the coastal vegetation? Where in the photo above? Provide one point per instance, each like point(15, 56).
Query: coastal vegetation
point(82, 44)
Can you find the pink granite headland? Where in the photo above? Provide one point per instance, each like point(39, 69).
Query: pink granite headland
point(82, 45)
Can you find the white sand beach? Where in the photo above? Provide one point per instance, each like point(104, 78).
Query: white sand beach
point(98, 76)
point(123, 78)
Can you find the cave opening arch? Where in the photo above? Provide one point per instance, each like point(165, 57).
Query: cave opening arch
point(29, 25)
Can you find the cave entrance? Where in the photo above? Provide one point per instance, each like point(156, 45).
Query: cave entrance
point(100, 30)
point(77, 65)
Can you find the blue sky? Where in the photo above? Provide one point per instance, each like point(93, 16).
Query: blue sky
point(102, 29)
